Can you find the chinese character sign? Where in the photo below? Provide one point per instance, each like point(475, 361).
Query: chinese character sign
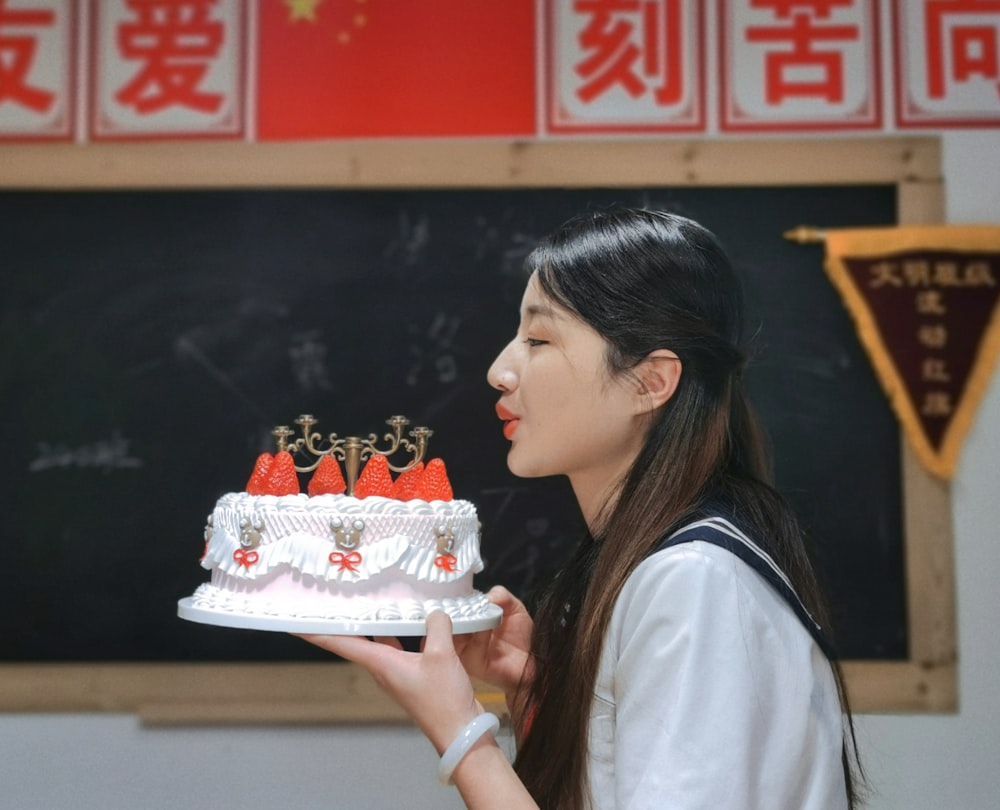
point(947, 62)
point(273, 70)
point(925, 302)
point(799, 65)
point(625, 65)
point(37, 50)
point(167, 67)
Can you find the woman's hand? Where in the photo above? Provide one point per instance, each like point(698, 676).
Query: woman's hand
point(435, 690)
point(432, 685)
point(501, 657)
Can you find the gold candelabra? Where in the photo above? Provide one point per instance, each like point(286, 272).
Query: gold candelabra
point(352, 450)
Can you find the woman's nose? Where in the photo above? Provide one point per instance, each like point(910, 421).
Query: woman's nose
point(501, 374)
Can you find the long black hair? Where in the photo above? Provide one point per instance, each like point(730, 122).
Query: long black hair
point(648, 280)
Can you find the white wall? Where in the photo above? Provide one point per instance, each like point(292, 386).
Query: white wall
point(102, 762)
point(109, 762)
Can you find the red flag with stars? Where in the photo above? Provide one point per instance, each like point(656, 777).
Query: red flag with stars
point(364, 68)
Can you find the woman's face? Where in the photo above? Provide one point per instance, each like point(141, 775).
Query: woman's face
point(562, 410)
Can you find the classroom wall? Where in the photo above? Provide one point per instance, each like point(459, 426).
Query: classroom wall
point(916, 762)
point(50, 762)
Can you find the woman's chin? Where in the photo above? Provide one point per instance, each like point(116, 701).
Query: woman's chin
point(524, 468)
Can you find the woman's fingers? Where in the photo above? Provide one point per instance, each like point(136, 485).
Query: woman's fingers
point(354, 648)
point(371, 652)
point(507, 602)
point(503, 598)
point(431, 686)
point(439, 639)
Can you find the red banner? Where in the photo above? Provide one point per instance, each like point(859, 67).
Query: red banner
point(378, 68)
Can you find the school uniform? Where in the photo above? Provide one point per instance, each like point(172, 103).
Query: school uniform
point(713, 690)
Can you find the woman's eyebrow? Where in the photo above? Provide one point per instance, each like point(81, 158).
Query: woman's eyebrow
point(540, 311)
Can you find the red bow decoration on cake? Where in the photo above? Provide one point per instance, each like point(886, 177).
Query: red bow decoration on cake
point(246, 558)
point(347, 562)
point(447, 562)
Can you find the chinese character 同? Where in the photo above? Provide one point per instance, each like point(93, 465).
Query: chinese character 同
point(972, 44)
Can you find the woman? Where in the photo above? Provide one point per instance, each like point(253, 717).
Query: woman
point(678, 659)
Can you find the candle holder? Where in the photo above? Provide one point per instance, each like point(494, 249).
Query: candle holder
point(352, 450)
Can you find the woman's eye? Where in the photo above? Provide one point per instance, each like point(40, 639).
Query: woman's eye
point(535, 342)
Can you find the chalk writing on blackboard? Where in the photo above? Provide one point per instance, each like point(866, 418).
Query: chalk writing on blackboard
point(434, 350)
point(186, 348)
point(103, 454)
point(413, 237)
point(308, 354)
point(496, 237)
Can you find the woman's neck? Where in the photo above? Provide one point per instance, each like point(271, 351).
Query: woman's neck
point(597, 499)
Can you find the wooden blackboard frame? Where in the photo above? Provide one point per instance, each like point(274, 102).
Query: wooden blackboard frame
point(322, 693)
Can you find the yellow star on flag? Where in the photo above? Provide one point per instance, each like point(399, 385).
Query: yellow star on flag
point(302, 9)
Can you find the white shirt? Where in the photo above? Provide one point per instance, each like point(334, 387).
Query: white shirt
point(712, 694)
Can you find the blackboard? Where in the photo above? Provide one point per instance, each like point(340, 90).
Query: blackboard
point(149, 340)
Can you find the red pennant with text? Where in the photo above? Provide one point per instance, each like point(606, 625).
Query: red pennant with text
point(925, 303)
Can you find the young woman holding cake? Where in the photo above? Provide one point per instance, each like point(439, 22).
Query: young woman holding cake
point(678, 660)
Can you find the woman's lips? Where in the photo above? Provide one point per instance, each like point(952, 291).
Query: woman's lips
point(510, 421)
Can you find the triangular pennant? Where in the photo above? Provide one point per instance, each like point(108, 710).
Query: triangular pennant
point(925, 303)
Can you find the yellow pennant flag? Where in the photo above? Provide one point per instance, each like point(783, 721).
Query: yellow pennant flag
point(924, 300)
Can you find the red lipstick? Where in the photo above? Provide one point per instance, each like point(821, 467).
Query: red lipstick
point(510, 420)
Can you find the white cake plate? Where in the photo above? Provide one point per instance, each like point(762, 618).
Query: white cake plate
point(293, 624)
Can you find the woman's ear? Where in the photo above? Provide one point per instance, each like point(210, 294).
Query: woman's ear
point(658, 374)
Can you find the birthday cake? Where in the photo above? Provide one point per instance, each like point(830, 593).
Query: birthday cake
point(369, 554)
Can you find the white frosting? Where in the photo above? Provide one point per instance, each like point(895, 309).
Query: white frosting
point(339, 557)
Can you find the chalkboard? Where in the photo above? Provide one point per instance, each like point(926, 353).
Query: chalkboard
point(150, 340)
